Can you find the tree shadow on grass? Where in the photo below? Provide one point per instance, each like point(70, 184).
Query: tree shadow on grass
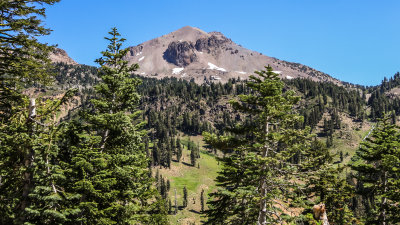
point(194, 211)
point(186, 164)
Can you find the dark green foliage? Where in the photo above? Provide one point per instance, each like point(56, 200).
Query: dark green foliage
point(106, 158)
point(30, 175)
point(202, 200)
point(22, 57)
point(179, 150)
point(23, 60)
point(257, 170)
point(171, 105)
point(381, 101)
point(185, 197)
point(324, 183)
point(169, 206)
point(193, 157)
point(341, 99)
point(162, 187)
point(176, 204)
point(28, 127)
point(378, 172)
point(68, 76)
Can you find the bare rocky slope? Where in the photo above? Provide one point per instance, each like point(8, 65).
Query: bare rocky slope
point(191, 53)
point(60, 56)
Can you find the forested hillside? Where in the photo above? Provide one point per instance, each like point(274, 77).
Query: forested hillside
point(176, 109)
point(103, 145)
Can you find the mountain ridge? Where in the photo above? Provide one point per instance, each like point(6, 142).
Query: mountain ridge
point(191, 53)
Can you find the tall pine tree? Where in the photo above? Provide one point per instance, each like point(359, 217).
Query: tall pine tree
point(257, 174)
point(324, 182)
point(377, 163)
point(28, 126)
point(107, 160)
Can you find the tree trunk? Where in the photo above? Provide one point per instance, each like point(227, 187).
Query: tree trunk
point(28, 160)
point(384, 199)
point(262, 214)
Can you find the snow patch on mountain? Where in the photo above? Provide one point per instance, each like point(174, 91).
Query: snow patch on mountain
point(214, 67)
point(177, 70)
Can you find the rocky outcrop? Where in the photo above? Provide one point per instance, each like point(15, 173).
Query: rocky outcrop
point(210, 44)
point(59, 55)
point(135, 50)
point(180, 53)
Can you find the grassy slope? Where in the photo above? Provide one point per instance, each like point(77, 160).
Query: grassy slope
point(195, 179)
point(348, 139)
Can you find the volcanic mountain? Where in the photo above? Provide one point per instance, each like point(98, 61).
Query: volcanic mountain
point(191, 53)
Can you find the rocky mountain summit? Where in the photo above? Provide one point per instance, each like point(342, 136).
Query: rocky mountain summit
point(59, 55)
point(191, 53)
point(180, 53)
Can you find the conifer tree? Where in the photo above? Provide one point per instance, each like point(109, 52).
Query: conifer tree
point(179, 150)
point(202, 200)
point(324, 183)
point(185, 197)
point(28, 126)
point(176, 204)
point(258, 172)
point(193, 157)
point(30, 174)
point(169, 206)
point(378, 173)
point(22, 58)
point(169, 158)
point(107, 163)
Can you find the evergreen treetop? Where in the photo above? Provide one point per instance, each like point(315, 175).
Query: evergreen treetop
point(260, 165)
point(377, 163)
point(22, 57)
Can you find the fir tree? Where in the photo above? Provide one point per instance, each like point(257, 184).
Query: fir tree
point(169, 206)
point(179, 150)
point(176, 204)
point(193, 157)
point(258, 173)
point(202, 200)
point(28, 128)
point(378, 172)
point(185, 197)
point(324, 183)
point(23, 59)
point(108, 165)
point(30, 174)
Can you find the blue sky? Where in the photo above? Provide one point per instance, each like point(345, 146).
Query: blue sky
point(357, 41)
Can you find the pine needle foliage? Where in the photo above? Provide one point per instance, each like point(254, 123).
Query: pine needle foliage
point(377, 163)
point(259, 170)
point(106, 157)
